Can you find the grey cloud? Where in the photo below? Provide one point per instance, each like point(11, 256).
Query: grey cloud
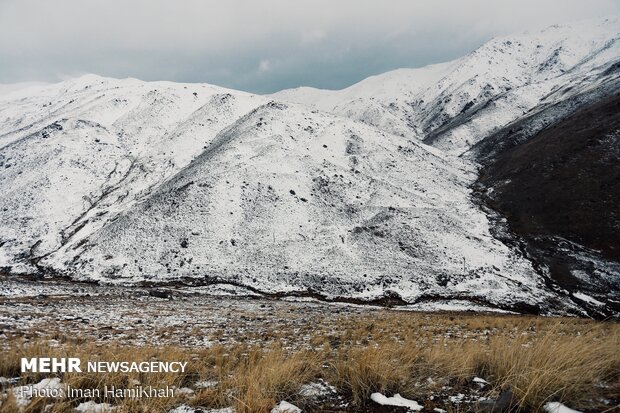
point(259, 46)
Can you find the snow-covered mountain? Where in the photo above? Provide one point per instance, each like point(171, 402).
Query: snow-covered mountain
point(75, 154)
point(287, 200)
point(454, 105)
point(355, 194)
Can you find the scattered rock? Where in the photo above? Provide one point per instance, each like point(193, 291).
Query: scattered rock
point(160, 293)
point(504, 402)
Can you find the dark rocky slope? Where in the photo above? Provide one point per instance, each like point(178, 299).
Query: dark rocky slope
point(560, 191)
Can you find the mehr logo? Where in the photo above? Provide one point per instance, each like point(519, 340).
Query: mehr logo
point(51, 365)
point(72, 364)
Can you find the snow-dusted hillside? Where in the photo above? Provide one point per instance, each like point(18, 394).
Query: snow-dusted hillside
point(352, 194)
point(287, 200)
point(454, 105)
point(75, 154)
point(126, 181)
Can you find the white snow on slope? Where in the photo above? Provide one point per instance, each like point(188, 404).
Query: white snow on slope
point(16, 88)
point(74, 154)
point(456, 104)
point(587, 298)
point(289, 200)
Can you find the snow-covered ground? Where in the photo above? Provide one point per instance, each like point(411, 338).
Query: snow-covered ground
point(140, 316)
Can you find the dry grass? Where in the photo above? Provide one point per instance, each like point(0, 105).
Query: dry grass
point(541, 359)
point(555, 366)
point(388, 368)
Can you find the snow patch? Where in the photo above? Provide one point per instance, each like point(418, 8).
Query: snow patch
point(588, 299)
point(396, 400)
point(286, 407)
point(93, 407)
point(317, 390)
point(187, 409)
point(23, 394)
point(206, 384)
point(479, 380)
point(557, 407)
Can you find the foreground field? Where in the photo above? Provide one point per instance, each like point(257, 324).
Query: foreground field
point(249, 355)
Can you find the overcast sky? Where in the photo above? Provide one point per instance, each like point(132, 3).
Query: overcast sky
point(258, 46)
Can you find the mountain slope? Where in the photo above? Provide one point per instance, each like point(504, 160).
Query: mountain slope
point(560, 190)
point(290, 201)
point(551, 194)
point(454, 105)
point(75, 154)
